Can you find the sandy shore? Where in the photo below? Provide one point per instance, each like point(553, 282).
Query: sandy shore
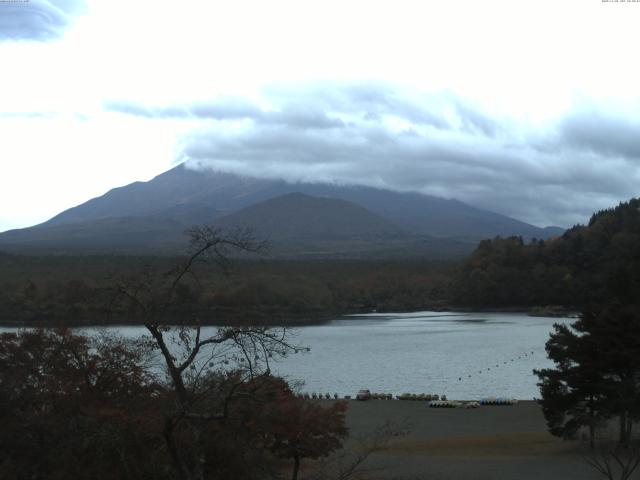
point(488, 443)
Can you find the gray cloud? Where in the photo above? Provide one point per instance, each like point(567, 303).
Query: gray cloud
point(315, 107)
point(602, 134)
point(370, 100)
point(37, 19)
point(439, 144)
point(294, 116)
point(474, 121)
point(224, 109)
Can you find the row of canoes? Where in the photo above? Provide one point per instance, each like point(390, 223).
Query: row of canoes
point(381, 396)
point(498, 401)
point(420, 396)
point(435, 401)
point(452, 404)
point(318, 396)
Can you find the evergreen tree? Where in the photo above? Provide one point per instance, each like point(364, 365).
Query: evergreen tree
point(597, 373)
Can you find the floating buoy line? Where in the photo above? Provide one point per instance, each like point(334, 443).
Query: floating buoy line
point(434, 400)
point(528, 354)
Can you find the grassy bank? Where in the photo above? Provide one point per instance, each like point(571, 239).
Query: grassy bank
point(488, 443)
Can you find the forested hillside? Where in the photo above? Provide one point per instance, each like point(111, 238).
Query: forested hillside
point(79, 289)
point(589, 263)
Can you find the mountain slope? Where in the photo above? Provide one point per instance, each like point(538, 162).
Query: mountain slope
point(151, 216)
point(301, 226)
point(226, 193)
point(296, 215)
point(178, 188)
point(295, 226)
point(114, 234)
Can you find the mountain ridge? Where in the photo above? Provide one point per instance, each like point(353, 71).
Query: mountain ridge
point(299, 215)
point(181, 197)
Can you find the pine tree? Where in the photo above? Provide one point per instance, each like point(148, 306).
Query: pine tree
point(597, 373)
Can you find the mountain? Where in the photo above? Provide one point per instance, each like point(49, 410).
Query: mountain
point(112, 234)
point(151, 216)
point(296, 215)
point(302, 226)
point(196, 195)
point(206, 195)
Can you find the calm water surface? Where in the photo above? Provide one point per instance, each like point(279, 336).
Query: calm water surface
point(462, 355)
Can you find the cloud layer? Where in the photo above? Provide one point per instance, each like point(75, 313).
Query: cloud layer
point(441, 144)
point(404, 94)
point(38, 20)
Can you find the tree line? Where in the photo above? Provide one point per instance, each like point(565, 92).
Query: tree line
point(585, 265)
point(76, 290)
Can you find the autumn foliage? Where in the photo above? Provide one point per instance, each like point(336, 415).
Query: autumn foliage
point(73, 406)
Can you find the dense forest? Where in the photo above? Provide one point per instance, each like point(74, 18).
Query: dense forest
point(584, 265)
point(596, 370)
point(77, 290)
point(588, 264)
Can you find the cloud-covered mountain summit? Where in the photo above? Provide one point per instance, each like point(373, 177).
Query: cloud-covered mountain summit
point(438, 143)
point(300, 217)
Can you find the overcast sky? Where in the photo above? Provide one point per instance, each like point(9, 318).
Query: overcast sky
point(527, 108)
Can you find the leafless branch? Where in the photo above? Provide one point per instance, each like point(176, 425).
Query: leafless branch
point(614, 461)
point(351, 462)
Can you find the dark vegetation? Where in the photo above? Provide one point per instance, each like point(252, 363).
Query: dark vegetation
point(565, 273)
point(78, 407)
point(75, 290)
point(177, 404)
point(585, 265)
point(186, 404)
point(597, 373)
point(593, 392)
point(596, 379)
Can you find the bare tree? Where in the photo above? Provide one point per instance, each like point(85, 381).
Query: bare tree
point(351, 462)
point(192, 355)
point(612, 459)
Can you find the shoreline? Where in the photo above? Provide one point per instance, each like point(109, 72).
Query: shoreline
point(288, 320)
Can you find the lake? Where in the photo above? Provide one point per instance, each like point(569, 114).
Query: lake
point(461, 355)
